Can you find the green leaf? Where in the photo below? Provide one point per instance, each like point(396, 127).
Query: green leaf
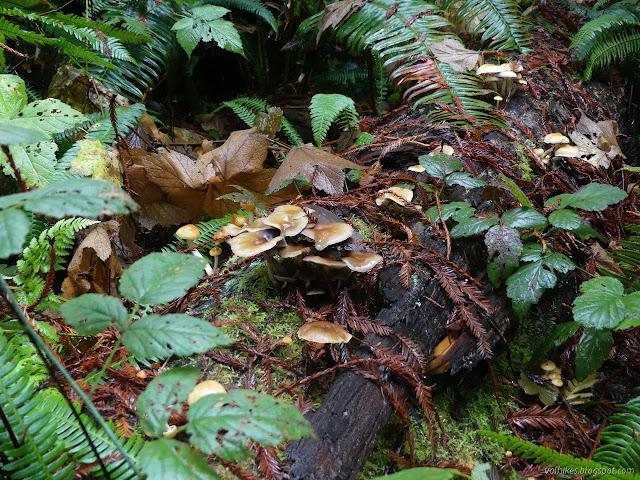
point(161, 277)
point(524, 217)
point(531, 252)
point(440, 165)
point(516, 190)
point(160, 336)
point(546, 393)
point(600, 305)
point(559, 334)
point(527, 284)
point(84, 197)
point(566, 219)
point(12, 135)
point(632, 306)
point(93, 313)
point(14, 227)
point(465, 180)
point(244, 414)
point(204, 24)
point(472, 226)
point(48, 116)
point(558, 262)
point(169, 459)
point(458, 210)
point(506, 242)
point(424, 473)
point(164, 394)
point(593, 349)
point(593, 197)
point(36, 162)
point(13, 96)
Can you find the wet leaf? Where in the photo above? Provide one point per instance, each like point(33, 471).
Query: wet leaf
point(594, 348)
point(592, 197)
point(166, 458)
point(600, 305)
point(566, 219)
point(524, 217)
point(93, 313)
point(322, 169)
point(452, 52)
point(12, 135)
point(472, 226)
point(14, 227)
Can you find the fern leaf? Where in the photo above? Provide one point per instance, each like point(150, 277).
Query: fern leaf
point(326, 109)
point(28, 439)
point(254, 6)
point(613, 49)
point(499, 22)
point(621, 446)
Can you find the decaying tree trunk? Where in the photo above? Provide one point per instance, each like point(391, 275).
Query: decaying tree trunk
point(355, 409)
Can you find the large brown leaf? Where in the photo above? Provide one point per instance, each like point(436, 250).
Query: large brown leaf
point(597, 142)
point(452, 52)
point(322, 169)
point(334, 13)
point(244, 152)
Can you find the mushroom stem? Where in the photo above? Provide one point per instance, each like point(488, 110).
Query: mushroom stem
point(273, 267)
point(207, 268)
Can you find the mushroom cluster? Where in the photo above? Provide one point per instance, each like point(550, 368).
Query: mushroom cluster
point(297, 235)
point(552, 373)
point(560, 147)
point(501, 78)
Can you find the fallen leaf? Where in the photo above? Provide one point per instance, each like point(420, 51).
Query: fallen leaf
point(334, 13)
point(453, 53)
point(93, 160)
point(244, 152)
point(148, 127)
point(604, 261)
point(163, 214)
point(322, 169)
point(590, 136)
point(94, 267)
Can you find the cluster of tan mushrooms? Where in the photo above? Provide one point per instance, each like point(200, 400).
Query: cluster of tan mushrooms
point(281, 234)
point(559, 147)
point(501, 78)
point(552, 373)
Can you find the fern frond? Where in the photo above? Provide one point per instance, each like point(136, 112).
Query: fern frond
point(35, 259)
point(551, 458)
point(28, 439)
point(246, 108)
point(499, 22)
point(621, 446)
point(207, 230)
point(254, 6)
point(616, 48)
point(591, 33)
point(326, 109)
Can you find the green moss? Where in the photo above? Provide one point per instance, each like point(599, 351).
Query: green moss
point(362, 227)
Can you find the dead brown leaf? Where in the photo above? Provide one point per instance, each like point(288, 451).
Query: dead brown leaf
point(94, 267)
point(597, 142)
point(244, 152)
point(334, 13)
point(453, 53)
point(322, 169)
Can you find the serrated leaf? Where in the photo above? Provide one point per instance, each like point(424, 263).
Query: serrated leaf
point(48, 116)
point(472, 226)
point(558, 262)
point(566, 219)
point(161, 336)
point(457, 210)
point(244, 414)
point(13, 96)
point(600, 305)
point(423, 473)
point(593, 197)
point(594, 348)
point(204, 24)
point(170, 459)
point(506, 242)
point(440, 165)
point(84, 197)
point(14, 227)
point(527, 284)
point(36, 162)
point(465, 180)
point(559, 334)
point(160, 277)
point(164, 394)
point(12, 135)
point(93, 313)
point(531, 252)
point(524, 217)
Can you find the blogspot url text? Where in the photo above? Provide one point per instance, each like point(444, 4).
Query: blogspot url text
point(588, 471)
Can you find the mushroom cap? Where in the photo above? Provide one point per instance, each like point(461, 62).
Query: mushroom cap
point(289, 226)
point(360, 261)
point(417, 168)
point(446, 149)
point(326, 234)
point(491, 68)
point(188, 232)
point(557, 382)
point(548, 366)
point(229, 230)
point(399, 195)
point(215, 251)
point(238, 220)
point(567, 151)
point(498, 98)
point(508, 74)
point(323, 332)
point(248, 244)
point(257, 225)
point(491, 78)
point(327, 262)
point(291, 251)
point(208, 387)
point(555, 138)
point(292, 210)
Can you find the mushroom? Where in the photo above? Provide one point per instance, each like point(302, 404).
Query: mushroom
point(567, 151)
point(398, 195)
point(292, 210)
point(226, 232)
point(288, 225)
point(249, 244)
point(320, 333)
point(507, 79)
point(446, 149)
point(189, 233)
point(417, 168)
point(360, 261)
point(498, 99)
point(250, 207)
point(557, 141)
point(548, 366)
point(436, 366)
point(208, 387)
point(326, 234)
point(215, 252)
point(292, 251)
point(325, 262)
point(239, 220)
